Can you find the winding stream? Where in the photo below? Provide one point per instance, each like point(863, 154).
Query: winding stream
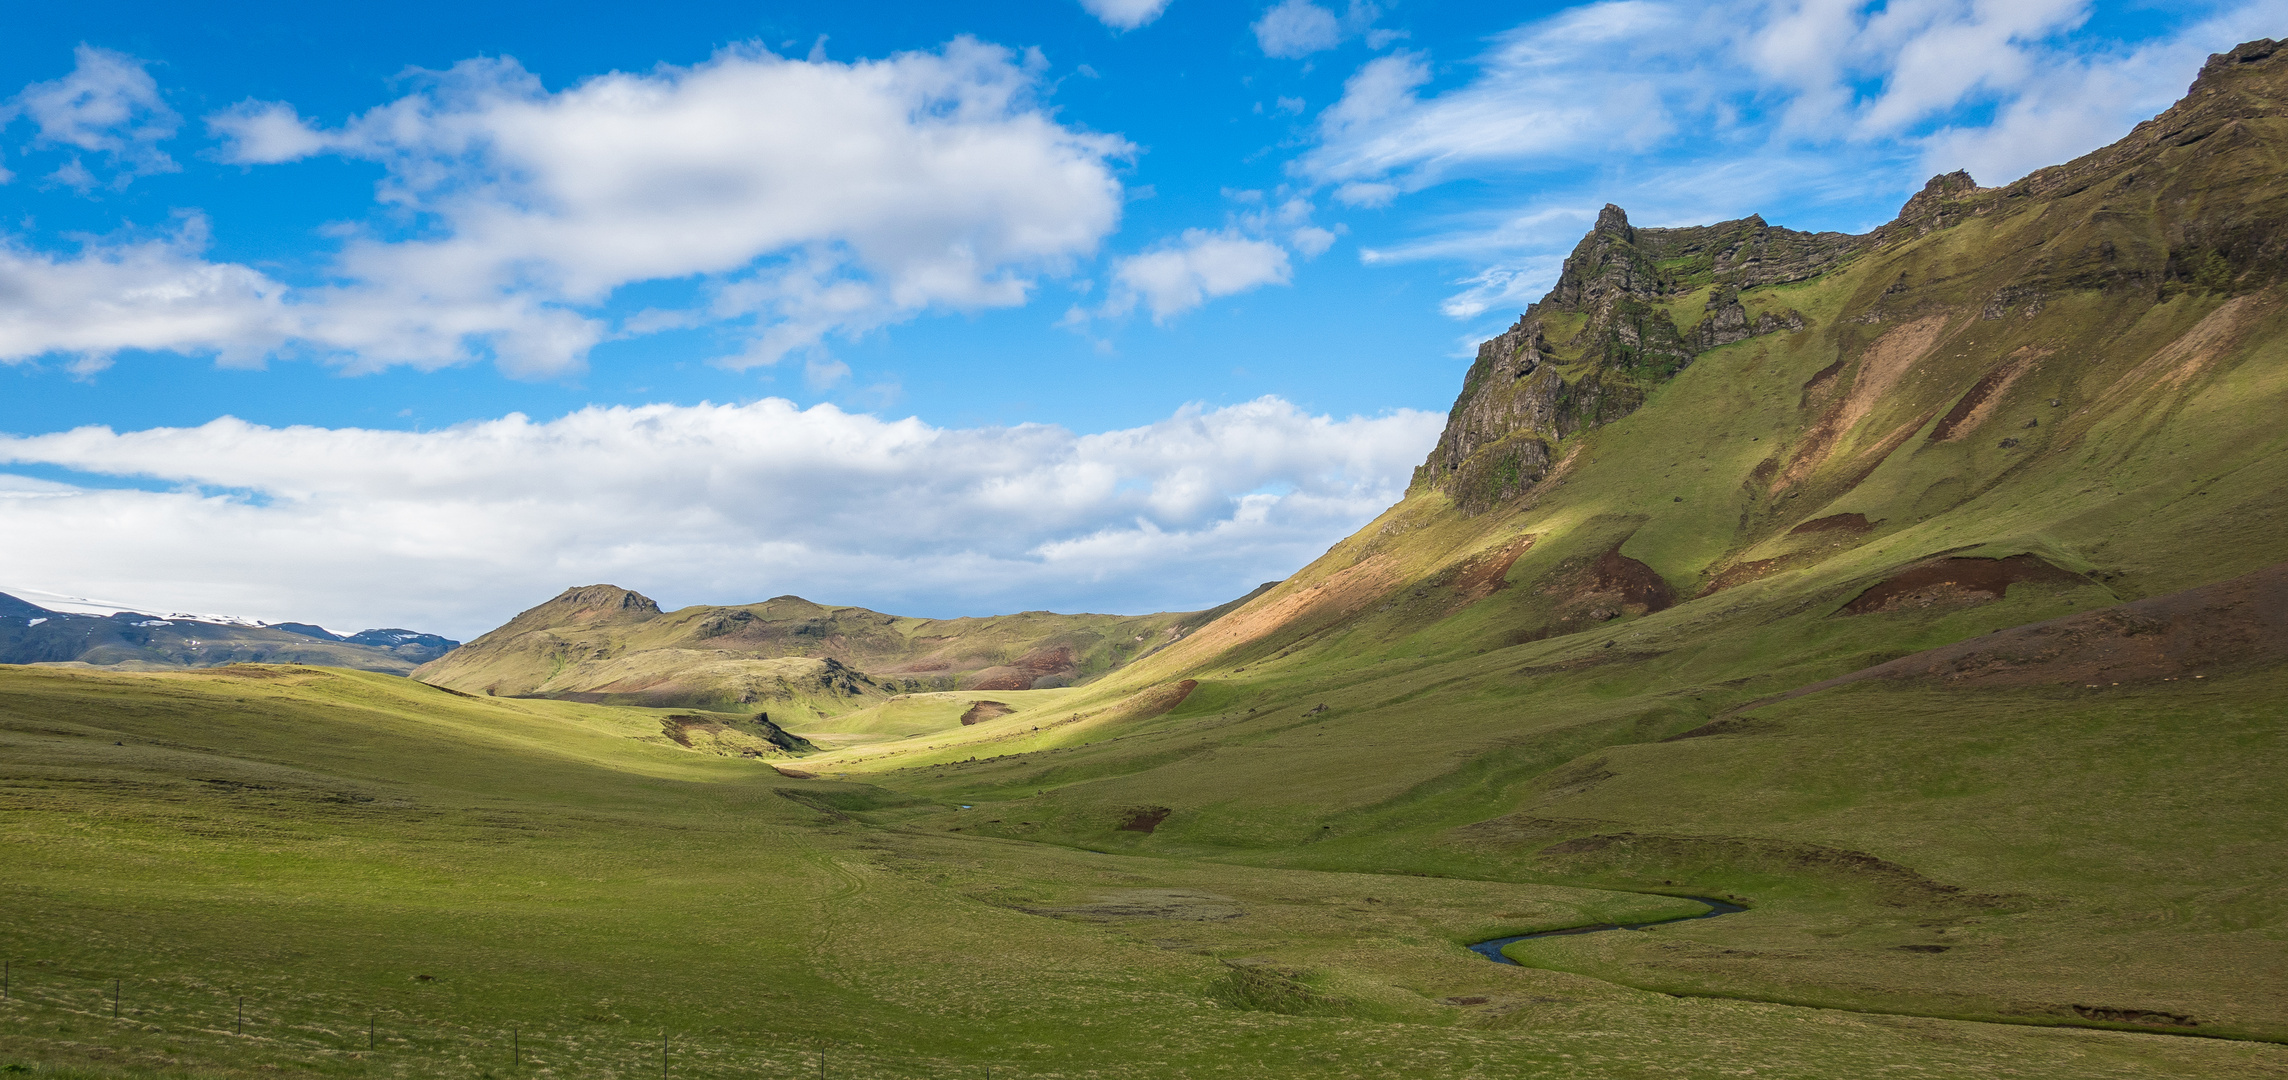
point(1492, 950)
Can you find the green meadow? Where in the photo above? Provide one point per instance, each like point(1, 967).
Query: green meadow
point(315, 842)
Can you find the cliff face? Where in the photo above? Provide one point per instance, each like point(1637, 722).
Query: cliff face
point(2188, 201)
point(1606, 335)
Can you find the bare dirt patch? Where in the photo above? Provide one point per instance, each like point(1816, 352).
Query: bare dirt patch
point(981, 711)
point(2135, 1016)
point(1143, 819)
point(1979, 402)
point(1741, 573)
point(1637, 585)
point(1484, 574)
point(2213, 628)
point(1817, 388)
point(1955, 581)
point(1026, 671)
point(2180, 361)
point(1881, 367)
point(1600, 590)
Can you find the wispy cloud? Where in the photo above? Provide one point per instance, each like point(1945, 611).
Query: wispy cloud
point(1686, 112)
point(110, 106)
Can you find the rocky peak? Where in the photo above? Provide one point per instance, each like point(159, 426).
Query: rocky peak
point(1527, 390)
point(585, 605)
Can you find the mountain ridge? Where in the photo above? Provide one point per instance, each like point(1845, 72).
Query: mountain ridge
point(31, 634)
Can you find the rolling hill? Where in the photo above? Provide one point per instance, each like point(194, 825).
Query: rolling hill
point(1915, 596)
point(602, 643)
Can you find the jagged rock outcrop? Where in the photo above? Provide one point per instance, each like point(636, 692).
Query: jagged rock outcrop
point(2188, 201)
point(1612, 311)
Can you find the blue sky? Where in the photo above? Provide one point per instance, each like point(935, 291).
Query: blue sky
point(1125, 305)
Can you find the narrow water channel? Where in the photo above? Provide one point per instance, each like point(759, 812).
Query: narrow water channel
point(1492, 950)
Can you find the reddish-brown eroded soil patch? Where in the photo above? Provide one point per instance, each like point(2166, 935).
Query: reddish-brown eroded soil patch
point(1739, 574)
point(1955, 581)
point(1026, 670)
point(1143, 819)
point(981, 711)
point(1636, 584)
point(2231, 624)
point(1487, 573)
point(1971, 409)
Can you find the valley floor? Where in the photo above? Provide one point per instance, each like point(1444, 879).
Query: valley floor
point(262, 870)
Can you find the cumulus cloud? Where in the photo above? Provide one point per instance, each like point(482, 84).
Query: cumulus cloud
point(1684, 110)
point(107, 105)
point(263, 133)
point(1201, 265)
point(805, 199)
point(1125, 14)
point(456, 529)
point(157, 293)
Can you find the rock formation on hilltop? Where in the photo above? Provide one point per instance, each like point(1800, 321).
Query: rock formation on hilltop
point(1608, 333)
point(1633, 306)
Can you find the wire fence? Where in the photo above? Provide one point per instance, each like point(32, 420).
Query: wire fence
point(82, 1007)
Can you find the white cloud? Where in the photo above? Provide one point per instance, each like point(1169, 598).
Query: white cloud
point(1687, 111)
point(454, 530)
point(1125, 14)
point(148, 294)
point(805, 199)
point(1297, 28)
point(1200, 266)
point(264, 133)
point(107, 105)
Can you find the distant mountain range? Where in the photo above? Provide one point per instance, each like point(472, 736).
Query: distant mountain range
point(31, 634)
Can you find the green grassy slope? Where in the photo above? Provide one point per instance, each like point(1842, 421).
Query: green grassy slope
point(1261, 848)
point(314, 842)
point(2023, 380)
point(605, 644)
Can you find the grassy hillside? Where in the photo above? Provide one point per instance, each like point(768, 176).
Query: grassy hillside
point(2013, 406)
point(601, 643)
point(353, 853)
point(1936, 620)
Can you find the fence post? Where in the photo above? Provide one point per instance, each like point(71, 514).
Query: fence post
point(370, 1021)
point(115, 999)
point(241, 1015)
point(663, 1054)
point(7, 968)
point(515, 1046)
